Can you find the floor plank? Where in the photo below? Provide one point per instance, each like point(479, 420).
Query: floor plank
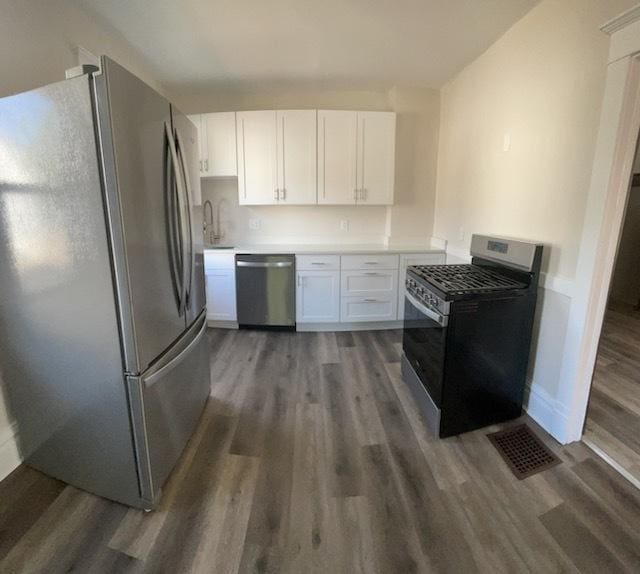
point(613, 417)
point(312, 457)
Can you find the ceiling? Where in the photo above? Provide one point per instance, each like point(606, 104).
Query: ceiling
point(193, 44)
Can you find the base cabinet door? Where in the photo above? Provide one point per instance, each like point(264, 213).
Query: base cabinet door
point(318, 297)
point(221, 294)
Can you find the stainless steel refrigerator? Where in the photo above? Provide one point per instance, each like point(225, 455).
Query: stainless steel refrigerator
point(103, 353)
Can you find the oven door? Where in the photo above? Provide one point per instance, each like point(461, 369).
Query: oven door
point(423, 343)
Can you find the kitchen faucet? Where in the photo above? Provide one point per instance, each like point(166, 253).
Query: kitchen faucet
point(215, 235)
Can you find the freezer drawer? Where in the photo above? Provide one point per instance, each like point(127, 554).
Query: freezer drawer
point(167, 402)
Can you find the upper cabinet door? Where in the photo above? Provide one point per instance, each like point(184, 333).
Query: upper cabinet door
point(296, 150)
point(376, 157)
point(198, 120)
point(257, 158)
point(337, 141)
point(220, 132)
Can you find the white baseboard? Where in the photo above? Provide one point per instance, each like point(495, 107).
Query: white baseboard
point(9, 453)
point(368, 326)
point(222, 324)
point(549, 413)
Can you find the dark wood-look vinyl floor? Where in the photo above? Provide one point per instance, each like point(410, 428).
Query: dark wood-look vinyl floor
point(311, 457)
point(613, 418)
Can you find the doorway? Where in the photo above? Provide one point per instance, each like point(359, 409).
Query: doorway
point(612, 424)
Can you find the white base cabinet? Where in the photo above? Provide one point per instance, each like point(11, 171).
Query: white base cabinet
point(333, 292)
point(220, 284)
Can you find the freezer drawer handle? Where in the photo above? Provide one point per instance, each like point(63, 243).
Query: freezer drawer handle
point(263, 264)
point(173, 363)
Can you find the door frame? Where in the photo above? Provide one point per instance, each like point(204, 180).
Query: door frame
point(604, 217)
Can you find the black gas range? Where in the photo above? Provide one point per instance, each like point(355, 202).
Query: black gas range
point(467, 334)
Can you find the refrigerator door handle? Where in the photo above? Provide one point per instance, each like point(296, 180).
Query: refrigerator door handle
point(188, 223)
point(177, 230)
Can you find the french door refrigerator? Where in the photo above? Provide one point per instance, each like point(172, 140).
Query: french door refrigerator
point(103, 354)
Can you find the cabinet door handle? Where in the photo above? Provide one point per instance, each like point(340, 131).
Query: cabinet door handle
point(276, 194)
point(201, 165)
point(206, 165)
point(283, 191)
point(363, 194)
point(355, 195)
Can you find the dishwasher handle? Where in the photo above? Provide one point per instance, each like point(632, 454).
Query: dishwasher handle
point(264, 263)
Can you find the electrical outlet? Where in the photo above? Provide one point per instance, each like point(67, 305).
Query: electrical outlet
point(254, 224)
point(344, 225)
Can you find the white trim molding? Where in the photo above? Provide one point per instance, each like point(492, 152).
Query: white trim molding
point(557, 283)
point(9, 454)
point(621, 21)
point(367, 326)
point(606, 204)
point(549, 413)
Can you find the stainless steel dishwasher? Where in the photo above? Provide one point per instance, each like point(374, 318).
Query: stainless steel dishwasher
point(265, 289)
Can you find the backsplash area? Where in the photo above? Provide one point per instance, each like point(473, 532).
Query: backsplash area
point(291, 224)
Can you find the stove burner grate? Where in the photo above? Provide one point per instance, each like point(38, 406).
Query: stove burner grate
point(465, 278)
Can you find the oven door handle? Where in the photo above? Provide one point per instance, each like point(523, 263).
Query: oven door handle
point(442, 320)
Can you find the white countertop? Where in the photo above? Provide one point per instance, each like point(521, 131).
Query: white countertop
point(328, 249)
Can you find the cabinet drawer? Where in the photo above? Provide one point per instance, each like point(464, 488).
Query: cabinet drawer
point(359, 309)
point(369, 261)
point(317, 262)
point(364, 283)
point(218, 260)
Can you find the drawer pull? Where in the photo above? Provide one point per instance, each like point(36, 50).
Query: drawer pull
point(317, 263)
point(372, 274)
point(370, 262)
point(371, 301)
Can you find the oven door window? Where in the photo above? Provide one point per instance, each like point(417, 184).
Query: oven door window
point(423, 342)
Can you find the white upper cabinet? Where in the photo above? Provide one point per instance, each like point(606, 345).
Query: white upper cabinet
point(376, 157)
point(296, 153)
point(217, 143)
point(220, 135)
point(257, 158)
point(197, 119)
point(337, 135)
point(356, 157)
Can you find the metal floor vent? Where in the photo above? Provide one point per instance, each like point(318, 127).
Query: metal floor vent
point(523, 451)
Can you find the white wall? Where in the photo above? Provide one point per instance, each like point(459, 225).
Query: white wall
point(408, 221)
point(37, 41)
point(518, 131)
